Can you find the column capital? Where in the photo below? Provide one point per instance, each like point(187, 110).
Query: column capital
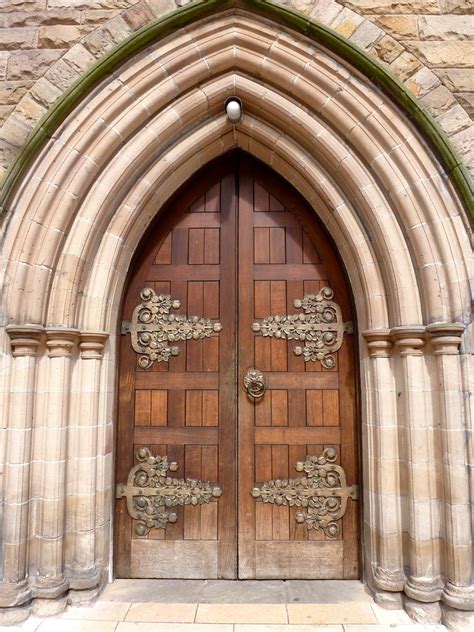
point(409, 340)
point(92, 343)
point(379, 342)
point(60, 342)
point(445, 337)
point(24, 339)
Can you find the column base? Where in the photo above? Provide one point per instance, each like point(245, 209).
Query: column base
point(387, 580)
point(457, 620)
point(458, 597)
point(426, 613)
point(424, 590)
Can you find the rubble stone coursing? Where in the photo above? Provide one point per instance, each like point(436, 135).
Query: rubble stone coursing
point(45, 45)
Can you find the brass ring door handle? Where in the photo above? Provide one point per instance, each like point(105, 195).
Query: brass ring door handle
point(254, 382)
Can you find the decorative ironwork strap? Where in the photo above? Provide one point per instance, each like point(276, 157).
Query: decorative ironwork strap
point(152, 328)
point(324, 492)
point(150, 492)
point(320, 327)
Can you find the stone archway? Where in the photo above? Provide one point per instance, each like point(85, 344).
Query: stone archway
point(84, 204)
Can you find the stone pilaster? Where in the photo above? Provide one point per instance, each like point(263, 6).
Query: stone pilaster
point(48, 569)
point(388, 573)
point(25, 341)
point(80, 558)
point(424, 581)
point(446, 341)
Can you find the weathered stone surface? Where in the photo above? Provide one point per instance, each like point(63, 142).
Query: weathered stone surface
point(58, 36)
point(26, 65)
point(457, 79)
point(30, 111)
point(45, 92)
point(445, 27)
point(464, 140)
point(443, 54)
point(4, 56)
point(457, 6)
point(21, 18)
point(16, 131)
point(347, 22)
point(422, 82)
point(466, 100)
point(400, 26)
point(17, 38)
point(98, 16)
point(367, 34)
point(79, 58)
point(454, 120)
point(101, 40)
point(91, 4)
point(5, 111)
point(438, 100)
point(12, 91)
point(394, 6)
point(62, 75)
point(160, 7)
point(405, 65)
point(24, 5)
point(138, 15)
point(326, 12)
point(387, 49)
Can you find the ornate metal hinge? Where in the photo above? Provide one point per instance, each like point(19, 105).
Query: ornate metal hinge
point(324, 492)
point(152, 328)
point(150, 492)
point(321, 327)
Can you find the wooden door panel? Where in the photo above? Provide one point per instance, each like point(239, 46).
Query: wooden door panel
point(236, 247)
point(183, 407)
point(304, 410)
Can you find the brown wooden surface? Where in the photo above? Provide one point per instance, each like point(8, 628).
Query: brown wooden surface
point(236, 246)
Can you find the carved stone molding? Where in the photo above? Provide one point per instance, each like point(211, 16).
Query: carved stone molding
point(379, 343)
point(60, 342)
point(25, 339)
point(91, 344)
point(391, 580)
point(445, 337)
point(320, 327)
point(153, 327)
point(460, 597)
point(409, 340)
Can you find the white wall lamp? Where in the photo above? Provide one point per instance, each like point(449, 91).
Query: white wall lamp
point(234, 110)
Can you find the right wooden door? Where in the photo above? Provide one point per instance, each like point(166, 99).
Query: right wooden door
point(293, 438)
point(262, 407)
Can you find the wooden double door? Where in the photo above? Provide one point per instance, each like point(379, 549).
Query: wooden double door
point(218, 469)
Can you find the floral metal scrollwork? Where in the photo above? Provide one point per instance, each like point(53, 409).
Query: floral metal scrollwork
point(153, 327)
point(150, 492)
point(320, 327)
point(324, 492)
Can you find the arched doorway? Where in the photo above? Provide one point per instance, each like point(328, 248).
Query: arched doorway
point(275, 449)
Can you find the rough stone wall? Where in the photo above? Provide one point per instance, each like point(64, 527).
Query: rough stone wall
point(45, 45)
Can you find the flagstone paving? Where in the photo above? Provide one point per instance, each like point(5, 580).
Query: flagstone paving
point(229, 606)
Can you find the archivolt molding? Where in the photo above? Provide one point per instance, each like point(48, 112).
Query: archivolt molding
point(86, 203)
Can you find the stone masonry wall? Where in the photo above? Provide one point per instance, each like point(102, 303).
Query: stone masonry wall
point(45, 45)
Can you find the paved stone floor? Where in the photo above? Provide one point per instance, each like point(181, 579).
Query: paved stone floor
point(227, 606)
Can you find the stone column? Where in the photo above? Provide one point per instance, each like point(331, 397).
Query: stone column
point(49, 578)
point(81, 560)
point(25, 342)
point(446, 340)
point(385, 465)
point(424, 582)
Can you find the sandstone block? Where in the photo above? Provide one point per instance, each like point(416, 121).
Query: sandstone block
point(45, 92)
point(438, 100)
point(466, 100)
point(422, 82)
point(32, 64)
point(443, 54)
point(91, 4)
point(4, 56)
point(445, 27)
point(400, 26)
point(15, 131)
point(22, 18)
point(464, 141)
point(387, 49)
point(98, 16)
point(160, 7)
point(367, 34)
point(23, 5)
point(405, 65)
point(105, 38)
point(457, 79)
point(30, 111)
point(454, 120)
point(61, 75)
point(394, 6)
point(457, 6)
point(138, 15)
point(5, 111)
point(12, 91)
point(79, 58)
point(347, 22)
point(18, 38)
point(326, 12)
point(58, 36)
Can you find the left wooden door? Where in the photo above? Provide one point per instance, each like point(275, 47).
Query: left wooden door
point(183, 408)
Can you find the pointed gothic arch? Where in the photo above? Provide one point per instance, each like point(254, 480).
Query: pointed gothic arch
point(79, 211)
